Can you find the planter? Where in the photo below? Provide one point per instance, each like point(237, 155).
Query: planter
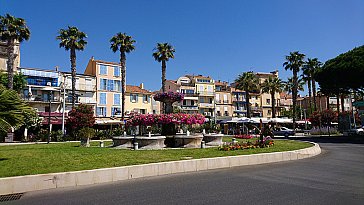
point(192, 141)
point(154, 142)
point(213, 139)
point(123, 142)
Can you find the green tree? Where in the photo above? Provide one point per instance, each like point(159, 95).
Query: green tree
point(72, 39)
point(309, 69)
point(272, 86)
point(248, 82)
point(294, 62)
point(163, 52)
point(12, 30)
point(80, 117)
point(19, 81)
point(125, 44)
point(13, 110)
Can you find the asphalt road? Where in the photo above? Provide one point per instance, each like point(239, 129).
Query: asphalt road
point(334, 177)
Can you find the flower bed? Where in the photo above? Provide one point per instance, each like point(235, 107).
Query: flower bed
point(169, 97)
point(244, 136)
point(175, 118)
point(267, 142)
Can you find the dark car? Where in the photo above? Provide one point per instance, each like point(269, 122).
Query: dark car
point(283, 131)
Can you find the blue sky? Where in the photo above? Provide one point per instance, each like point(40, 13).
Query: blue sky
point(211, 37)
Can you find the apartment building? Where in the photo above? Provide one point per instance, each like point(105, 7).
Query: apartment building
point(108, 87)
point(223, 100)
point(285, 101)
point(265, 98)
point(205, 88)
point(138, 99)
point(190, 101)
point(321, 103)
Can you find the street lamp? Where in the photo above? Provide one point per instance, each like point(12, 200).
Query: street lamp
point(49, 115)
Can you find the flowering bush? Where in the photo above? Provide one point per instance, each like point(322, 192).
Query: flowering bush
point(169, 97)
point(244, 136)
point(267, 142)
point(175, 118)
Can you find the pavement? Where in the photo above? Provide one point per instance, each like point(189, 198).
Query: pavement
point(334, 177)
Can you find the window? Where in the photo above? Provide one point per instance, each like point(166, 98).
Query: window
point(225, 98)
point(116, 71)
point(210, 100)
point(145, 98)
point(102, 99)
point(218, 88)
point(133, 97)
point(116, 99)
point(203, 80)
point(142, 111)
point(115, 111)
point(103, 83)
point(268, 101)
point(202, 100)
point(117, 85)
point(110, 85)
point(101, 111)
point(184, 102)
point(201, 88)
point(103, 70)
point(192, 102)
point(269, 112)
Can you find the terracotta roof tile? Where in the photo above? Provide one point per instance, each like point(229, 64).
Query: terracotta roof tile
point(136, 89)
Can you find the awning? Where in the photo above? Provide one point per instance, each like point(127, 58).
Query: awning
point(107, 122)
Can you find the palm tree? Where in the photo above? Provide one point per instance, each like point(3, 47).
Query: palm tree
point(12, 109)
point(307, 78)
point(72, 39)
point(163, 53)
point(288, 85)
point(272, 86)
point(311, 66)
point(294, 62)
point(248, 82)
point(12, 30)
point(123, 43)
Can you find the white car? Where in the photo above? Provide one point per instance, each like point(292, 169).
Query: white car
point(355, 131)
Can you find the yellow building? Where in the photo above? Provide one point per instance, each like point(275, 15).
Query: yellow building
point(265, 98)
point(137, 99)
point(223, 100)
point(108, 87)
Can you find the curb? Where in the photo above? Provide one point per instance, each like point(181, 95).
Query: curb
point(21, 184)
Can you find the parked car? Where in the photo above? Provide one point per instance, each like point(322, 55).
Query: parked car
point(354, 131)
point(283, 131)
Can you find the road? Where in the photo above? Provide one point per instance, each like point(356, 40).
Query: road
point(334, 177)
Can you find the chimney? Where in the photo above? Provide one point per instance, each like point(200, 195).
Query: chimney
point(141, 85)
point(56, 67)
point(92, 58)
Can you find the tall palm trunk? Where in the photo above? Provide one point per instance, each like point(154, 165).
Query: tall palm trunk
point(328, 102)
point(294, 96)
point(309, 93)
point(10, 62)
point(273, 105)
point(314, 94)
point(338, 103)
point(247, 103)
point(123, 72)
point(164, 75)
point(342, 103)
point(73, 70)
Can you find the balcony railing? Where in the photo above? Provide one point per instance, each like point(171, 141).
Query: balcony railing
point(206, 105)
point(82, 100)
point(83, 87)
point(189, 107)
point(239, 99)
point(206, 93)
point(41, 99)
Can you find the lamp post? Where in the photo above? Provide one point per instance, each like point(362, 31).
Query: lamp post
point(49, 116)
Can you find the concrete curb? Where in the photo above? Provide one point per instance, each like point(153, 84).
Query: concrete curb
point(28, 183)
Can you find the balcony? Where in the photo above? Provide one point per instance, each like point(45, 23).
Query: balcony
point(206, 93)
point(40, 99)
point(206, 105)
point(189, 107)
point(81, 100)
point(241, 99)
point(82, 87)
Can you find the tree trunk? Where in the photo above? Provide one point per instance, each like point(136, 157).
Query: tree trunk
point(273, 105)
point(314, 94)
point(342, 103)
point(328, 102)
point(123, 83)
point(164, 75)
point(294, 97)
point(10, 62)
point(73, 70)
point(247, 104)
point(309, 94)
point(338, 103)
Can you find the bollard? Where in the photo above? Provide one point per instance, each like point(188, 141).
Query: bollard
point(203, 145)
point(136, 147)
point(234, 140)
point(101, 143)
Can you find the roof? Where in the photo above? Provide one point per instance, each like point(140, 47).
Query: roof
point(136, 89)
point(221, 83)
point(172, 81)
point(285, 95)
point(106, 62)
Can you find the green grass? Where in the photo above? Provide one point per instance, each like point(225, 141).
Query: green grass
point(50, 158)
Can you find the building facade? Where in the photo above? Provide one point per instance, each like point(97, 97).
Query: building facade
point(223, 100)
point(4, 56)
point(108, 87)
point(265, 98)
point(138, 100)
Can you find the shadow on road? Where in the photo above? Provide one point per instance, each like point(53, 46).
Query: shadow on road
point(334, 139)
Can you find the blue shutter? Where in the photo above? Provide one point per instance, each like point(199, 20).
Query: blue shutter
point(137, 97)
point(98, 111)
point(103, 98)
point(131, 97)
point(116, 99)
point(148, 99)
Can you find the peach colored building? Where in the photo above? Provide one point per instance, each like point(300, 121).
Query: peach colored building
point(108, 87)
point(138, 99)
